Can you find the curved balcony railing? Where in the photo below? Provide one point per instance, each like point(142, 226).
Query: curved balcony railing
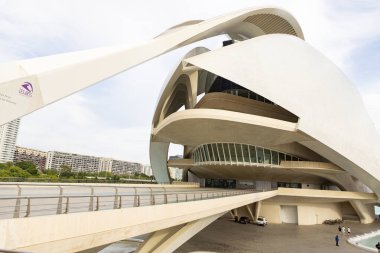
point(239, 154)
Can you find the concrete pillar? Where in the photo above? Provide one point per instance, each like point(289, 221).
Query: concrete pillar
point(194, 88)
point(156, 238)
point(365, 213)
point(250, 213)
point(158, 160)
point(257, 209)
point(168, 240)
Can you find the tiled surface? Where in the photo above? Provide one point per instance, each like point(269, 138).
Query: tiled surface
point(226, 236)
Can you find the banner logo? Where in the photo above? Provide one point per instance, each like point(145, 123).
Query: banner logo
point(26, 89)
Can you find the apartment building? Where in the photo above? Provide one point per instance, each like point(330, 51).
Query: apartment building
point(8, 136)
point(31, 155)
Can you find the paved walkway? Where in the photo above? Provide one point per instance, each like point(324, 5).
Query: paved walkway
point(226, 236)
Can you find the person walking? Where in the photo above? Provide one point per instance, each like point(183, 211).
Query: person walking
point(337, 240)
point(378, 247)
point(343, 230)
point(339, 228)
point(348, 230)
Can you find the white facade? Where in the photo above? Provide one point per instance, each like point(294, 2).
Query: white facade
point(147, 170)
point(90, 164)
point(78, 163)
point(105, 164)
point(8, 136)
point(124, 167)
point(175, 173)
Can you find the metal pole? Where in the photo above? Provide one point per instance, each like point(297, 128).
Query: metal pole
point(59, 206)
point(67, 205)
point(16, 213)
point(28, 208)
point(97, 203)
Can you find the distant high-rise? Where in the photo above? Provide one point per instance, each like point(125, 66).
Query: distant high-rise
point(8, 136)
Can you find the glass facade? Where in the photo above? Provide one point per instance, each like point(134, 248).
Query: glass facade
point(248, 94)
point(237, 153)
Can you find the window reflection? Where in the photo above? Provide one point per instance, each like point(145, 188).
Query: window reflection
point(236, 152)
point(260, 155)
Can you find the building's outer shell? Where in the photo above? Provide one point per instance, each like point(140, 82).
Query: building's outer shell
point(332, 123)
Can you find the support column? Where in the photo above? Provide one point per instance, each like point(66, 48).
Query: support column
point(168, 240)
point(158, 160)
point(250, 213)
point(156, 238)
point(257, 209)
point(194, 88)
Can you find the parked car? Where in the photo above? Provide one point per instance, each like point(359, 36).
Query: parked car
point(244, 220)
point(261, 221)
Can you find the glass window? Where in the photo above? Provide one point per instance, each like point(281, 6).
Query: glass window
point(282, 157)
point(199, 155)
point(221, 152)
point(267, 157)
point(232, 152)
point(260, 155)
point(246, 153)
point(275, 158)
point(215, 151)
point(239, 152)
point(202, 151)
point(288, 158)
point(243, 93)
point(207, 153)
point(211, 154)
point(252, 153)
point(227, 152)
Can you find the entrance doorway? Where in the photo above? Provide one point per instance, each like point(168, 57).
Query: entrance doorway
point(289, 214)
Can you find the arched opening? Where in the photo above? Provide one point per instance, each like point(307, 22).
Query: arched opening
point(180, 96)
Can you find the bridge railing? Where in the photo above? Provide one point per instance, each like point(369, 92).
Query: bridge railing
point(37, 205)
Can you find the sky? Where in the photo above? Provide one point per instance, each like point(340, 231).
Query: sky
point(113, 118)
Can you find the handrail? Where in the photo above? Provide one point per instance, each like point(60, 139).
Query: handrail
point(69, 203)
point(112, 195)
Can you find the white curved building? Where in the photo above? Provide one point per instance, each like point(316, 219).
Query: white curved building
point(265, 111)
point(268, 110)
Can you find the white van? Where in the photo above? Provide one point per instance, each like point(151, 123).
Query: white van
point(261, 221)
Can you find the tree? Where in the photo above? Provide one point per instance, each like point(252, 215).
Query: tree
point(30, 167)
point(4, 173)
point(65, 171)
point(115, 177)
point(80, 175)
point(52, 172)
point(104, 174)
point(15, 171)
